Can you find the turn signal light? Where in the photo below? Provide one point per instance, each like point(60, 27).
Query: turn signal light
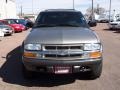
point(30, 55)
point(95, 54)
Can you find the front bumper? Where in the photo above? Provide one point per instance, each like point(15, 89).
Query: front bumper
point(114, 26)
point(41, 65)
point(104, 21)
point(18, 29)
point(8, 32)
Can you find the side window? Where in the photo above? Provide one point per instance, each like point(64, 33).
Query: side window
point(38, 19)
point(17, 21)
point(9, 22)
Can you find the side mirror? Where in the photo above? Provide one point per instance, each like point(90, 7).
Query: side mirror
point(30, 24)
point(92, 23)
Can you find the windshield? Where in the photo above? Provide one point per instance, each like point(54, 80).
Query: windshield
point(4, 26)
point(11, 22)
point(118, 20)
point(48, 19)
point(20, 21)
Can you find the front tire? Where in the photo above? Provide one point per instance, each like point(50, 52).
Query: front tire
point(27, 74)
point(111, 28)
point(96, 71)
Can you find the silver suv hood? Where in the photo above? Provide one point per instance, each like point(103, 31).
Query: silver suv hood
point(61, 35)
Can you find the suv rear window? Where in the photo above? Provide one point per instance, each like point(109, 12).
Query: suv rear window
point(61, 19)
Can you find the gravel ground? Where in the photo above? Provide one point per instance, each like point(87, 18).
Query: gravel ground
point(11, 74)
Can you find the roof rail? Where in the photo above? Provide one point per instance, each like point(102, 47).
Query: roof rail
point(58, 9)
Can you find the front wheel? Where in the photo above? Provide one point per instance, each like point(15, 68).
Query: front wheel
point(96, 71)
point(27, 74)
point(111, 28)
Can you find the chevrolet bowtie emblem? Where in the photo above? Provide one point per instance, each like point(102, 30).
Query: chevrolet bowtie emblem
point(63, 53)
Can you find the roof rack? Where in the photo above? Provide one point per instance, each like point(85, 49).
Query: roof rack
point(60, 9)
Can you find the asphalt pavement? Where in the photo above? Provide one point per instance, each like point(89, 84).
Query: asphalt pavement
point(11, 77)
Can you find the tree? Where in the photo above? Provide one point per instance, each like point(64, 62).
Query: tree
point(98, 10)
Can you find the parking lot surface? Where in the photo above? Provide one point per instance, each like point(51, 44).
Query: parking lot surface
point(11, 77)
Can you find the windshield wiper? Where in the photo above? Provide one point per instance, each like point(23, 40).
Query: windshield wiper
point(56, 25)
point(44, 25)
point(71, 25)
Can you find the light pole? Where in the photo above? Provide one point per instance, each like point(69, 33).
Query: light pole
point(114, 12)
point(73, 4)
point(98, 12)
point(110, 11)
point(92, 10)
point(6, 8)
point(32, 8)
point(33, 11)
point(21, 9)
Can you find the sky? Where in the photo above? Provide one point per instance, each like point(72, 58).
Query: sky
point(81, 5)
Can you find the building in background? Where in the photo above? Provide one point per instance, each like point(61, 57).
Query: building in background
point(7, 9)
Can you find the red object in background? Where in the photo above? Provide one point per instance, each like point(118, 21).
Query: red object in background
point(16, 27)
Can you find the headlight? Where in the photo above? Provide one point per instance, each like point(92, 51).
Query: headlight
point(92, 47)
point(33, 47)
point(4, 29)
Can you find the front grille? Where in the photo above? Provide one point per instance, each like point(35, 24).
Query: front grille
point(113, 24)
point(62, 51)
point(63, 47)
point(63, 56)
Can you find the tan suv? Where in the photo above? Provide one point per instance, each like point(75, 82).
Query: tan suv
point(61, 42)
